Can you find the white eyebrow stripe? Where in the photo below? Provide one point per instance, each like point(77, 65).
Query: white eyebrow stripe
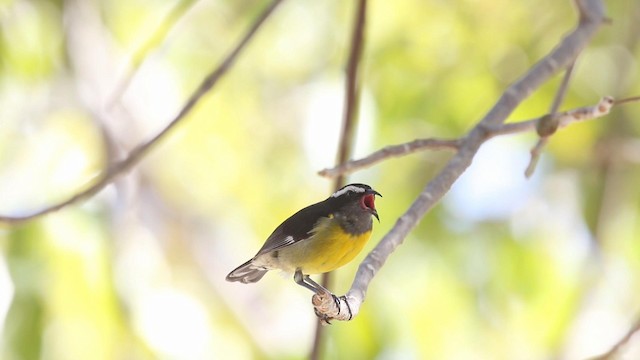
point(347, 189)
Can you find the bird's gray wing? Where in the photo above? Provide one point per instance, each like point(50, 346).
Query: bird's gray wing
point(299, 226)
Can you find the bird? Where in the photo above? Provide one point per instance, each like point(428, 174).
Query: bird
point(317, 239)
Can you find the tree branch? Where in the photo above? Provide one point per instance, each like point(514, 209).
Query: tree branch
point(140, 151)
point(563, 119)
point(591, 17)
point(391, 151)
point(547, 126)
point(611, 353)
point(347, 135)
point(138, 57)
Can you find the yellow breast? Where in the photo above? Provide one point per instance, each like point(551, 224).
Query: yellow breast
point(328, 249)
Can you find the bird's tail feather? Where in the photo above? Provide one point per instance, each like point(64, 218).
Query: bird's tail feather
point(247, 273)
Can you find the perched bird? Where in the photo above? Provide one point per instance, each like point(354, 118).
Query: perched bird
point(317, 239)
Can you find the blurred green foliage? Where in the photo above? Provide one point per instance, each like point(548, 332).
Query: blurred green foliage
point(504, 268)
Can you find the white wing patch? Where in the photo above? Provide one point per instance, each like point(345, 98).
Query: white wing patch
point(288, 241)
point(346, 189)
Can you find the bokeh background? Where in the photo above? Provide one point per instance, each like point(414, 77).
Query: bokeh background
point(503, 268)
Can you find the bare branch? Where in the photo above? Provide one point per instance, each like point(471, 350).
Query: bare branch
point(347, 136)
point(547, 126)
point(562, 90)
point(627, 100)
point(611, 353)
point(535, 156)
point(391, 151)
point(138, 153)
point(591, 17)
point(352, 87)
point(563, 119)
point(138, 57)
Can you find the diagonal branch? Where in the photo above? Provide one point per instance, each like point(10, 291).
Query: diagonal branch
point(547, 126)
point(611, 353)
point(591, 17)
point(140, 151)
point(138, 57)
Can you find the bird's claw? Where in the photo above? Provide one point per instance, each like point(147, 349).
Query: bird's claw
point(326, 319)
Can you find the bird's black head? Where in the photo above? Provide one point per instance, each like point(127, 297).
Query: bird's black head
point(363, 194)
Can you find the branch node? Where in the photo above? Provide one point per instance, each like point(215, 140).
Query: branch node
point(329, 307)
point(591, 11)
point(547, 125)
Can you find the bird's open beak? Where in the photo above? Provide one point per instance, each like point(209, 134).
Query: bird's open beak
point(374, 212)
point(370, 204)
point(371, 191)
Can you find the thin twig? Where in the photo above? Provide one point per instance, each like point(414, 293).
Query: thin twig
point(156, 38)
point(562, 90)
point(138, 153)
point(550, 123)
point(635, 328)
point(535, 156)
point(564, 119)
point(347, 135)
point(627, 100)
point(591, 17)
point(391, 151)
